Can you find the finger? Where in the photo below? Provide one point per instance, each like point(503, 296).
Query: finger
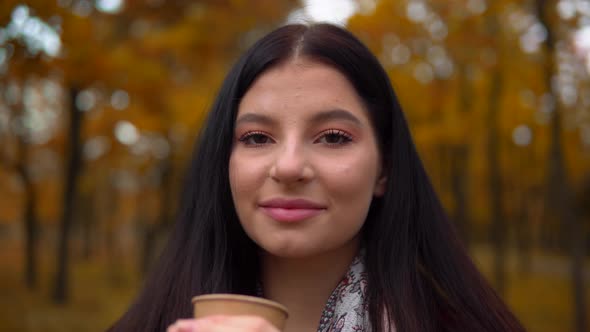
point(183, 325)
point(238, 323)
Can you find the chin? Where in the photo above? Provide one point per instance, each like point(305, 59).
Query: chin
point(288, 251)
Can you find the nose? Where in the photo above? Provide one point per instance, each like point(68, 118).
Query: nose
point(291, 164)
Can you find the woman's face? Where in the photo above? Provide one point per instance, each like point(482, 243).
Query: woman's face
point(304, 165)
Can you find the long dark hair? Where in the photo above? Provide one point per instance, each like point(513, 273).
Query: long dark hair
point(420, 277)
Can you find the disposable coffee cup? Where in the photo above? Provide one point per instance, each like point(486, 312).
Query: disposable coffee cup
point(238, 305)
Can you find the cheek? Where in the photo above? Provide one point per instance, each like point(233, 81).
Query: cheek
point(244, 176)
point(352, 177)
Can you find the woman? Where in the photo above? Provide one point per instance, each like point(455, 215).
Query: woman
point(306, 188)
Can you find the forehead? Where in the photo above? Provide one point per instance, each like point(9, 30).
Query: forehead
point(301, 87)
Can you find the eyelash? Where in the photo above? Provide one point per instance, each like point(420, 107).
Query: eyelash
point(245, 137)
point(340, 133)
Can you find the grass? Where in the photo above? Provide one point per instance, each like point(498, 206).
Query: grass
point(98, 296)
point(542, 298)
point(100, 293)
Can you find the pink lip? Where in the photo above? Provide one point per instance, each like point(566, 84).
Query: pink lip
point(291, 210)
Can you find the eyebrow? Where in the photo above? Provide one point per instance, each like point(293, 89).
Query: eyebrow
point(333, 114)
point(336, 114)
point(255, 118)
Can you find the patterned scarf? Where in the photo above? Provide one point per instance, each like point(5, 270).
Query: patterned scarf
point(347, 309)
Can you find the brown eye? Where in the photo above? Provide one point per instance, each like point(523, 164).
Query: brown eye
point(335, 137)
point(255, 138)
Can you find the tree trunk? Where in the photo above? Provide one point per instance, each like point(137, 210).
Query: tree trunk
point(459, 184)
point(151, 231)
point(498, 222)
point(559, 201)
point(149, 244)
point(31, 224)
point(110, 210)
point(578, 251)
point(559, 195)
point(523, 234)
point(61, 294)
point(20, 142)
point(88, 220)
point(498, 226)
point(31, 227)
point(32, 230)
point(524, 223)
point(460, 159)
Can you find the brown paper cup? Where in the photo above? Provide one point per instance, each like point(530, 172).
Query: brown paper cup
point(235, 305)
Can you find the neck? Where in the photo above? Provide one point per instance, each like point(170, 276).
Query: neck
point(304, 285)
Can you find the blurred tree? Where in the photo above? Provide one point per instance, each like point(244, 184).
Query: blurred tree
point(21, 84)
point(152, 55)
point(484, 57)
point(559, 195)
point(72, 172)
point(498, 229)
point(20, 142)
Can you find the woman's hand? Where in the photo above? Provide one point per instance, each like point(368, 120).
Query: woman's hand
point(223, 324)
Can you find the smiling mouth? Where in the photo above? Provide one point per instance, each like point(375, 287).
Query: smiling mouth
point(289, 210)
point(290, 215)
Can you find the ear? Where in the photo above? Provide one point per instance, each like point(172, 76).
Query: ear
point(380, 186)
